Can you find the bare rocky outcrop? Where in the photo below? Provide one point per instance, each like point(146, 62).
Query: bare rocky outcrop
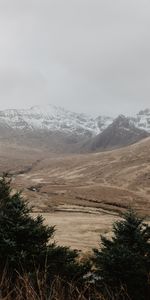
point(122, 132)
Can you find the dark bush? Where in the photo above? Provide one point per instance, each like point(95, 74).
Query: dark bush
point(124, 260)
point(25, 241)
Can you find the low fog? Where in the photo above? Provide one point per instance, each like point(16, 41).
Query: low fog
point(88, 56)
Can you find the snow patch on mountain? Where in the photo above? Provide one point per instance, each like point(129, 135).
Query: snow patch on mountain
point(52, 118)
point(142, 120)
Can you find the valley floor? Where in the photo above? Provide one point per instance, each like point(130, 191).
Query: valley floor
point(81, 194)
point(80, 230)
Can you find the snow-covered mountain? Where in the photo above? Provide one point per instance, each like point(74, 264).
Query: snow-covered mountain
point(142, 120)
point(53, 118)
point(120, 133)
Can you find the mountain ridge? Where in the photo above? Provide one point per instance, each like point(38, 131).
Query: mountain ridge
point(61, 130)
point(122, 132)
point(51, 117)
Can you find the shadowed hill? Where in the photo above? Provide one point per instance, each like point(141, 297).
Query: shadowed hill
point(120, 133)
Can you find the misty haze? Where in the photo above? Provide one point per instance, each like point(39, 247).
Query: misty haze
point(74, 149)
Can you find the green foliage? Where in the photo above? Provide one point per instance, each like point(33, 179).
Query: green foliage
point(125, 260)
point(25, 241)
point(22, 238)
point(26, 247)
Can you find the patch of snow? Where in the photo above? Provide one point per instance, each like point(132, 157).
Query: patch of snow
point(51, 118)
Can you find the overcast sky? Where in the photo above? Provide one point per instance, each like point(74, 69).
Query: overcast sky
point(89, 56)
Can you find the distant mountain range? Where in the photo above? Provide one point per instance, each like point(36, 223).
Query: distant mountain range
point(120, 133)
point(60, 129)
point(52, 118)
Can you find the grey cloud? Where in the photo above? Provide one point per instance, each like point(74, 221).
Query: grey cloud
point(86, 55)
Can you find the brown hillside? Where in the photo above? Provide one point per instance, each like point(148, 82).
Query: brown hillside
point(110, 180)
point(81, 193)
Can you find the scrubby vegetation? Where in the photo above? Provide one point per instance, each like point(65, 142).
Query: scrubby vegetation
point(125, 260)
point(33, 267)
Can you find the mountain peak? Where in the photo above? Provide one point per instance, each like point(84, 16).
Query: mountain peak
point(120, 118)
point(50, 118)
point(120, 133)
point(145, 112)
point(54, 124)
point(122, 122)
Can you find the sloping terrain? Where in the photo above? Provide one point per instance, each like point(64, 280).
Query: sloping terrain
point(142, 120)
point(54, 119)
point(60, 131)
point(121, 132)
point(50, 127)
point(81, 194)
point(110, 181)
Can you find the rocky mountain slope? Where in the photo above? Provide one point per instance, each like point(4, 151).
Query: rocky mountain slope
point(61, 130)
point(142, 120)
point(121, 132)
point(52, 118)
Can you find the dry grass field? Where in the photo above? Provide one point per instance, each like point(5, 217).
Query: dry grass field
point(81, 194)
point(80, 230)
